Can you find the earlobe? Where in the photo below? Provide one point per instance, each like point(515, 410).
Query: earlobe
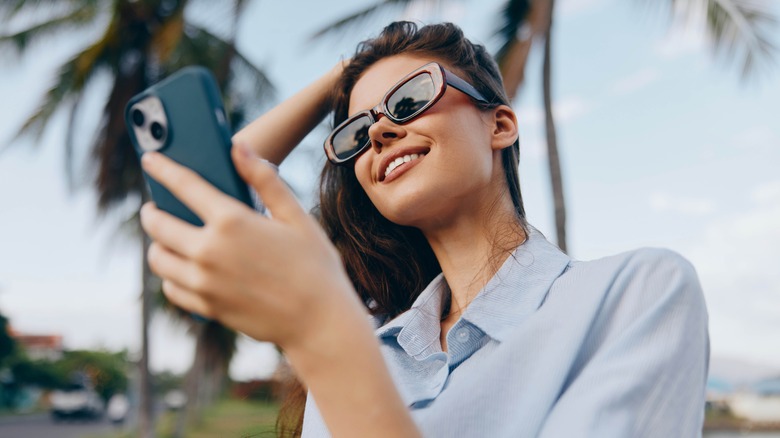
point(504, 127)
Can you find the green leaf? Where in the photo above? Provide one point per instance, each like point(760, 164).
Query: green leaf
point(742, 31)
point(358, 17)
point(72, 20)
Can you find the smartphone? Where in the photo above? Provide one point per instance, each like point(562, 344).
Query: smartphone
point(183, 117)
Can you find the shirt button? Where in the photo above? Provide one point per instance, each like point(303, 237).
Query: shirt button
point(463, 335)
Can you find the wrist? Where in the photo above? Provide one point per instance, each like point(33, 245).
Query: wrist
point(330, 337)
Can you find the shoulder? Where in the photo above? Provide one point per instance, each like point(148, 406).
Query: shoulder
point(640, 281)
point(650, 268)
point(639, 261)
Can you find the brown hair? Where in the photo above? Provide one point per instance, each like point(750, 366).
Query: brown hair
point(389, 264)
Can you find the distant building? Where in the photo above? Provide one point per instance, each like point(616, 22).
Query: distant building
point(39, 347)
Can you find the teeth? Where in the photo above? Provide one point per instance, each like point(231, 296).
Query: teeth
point(401, 160)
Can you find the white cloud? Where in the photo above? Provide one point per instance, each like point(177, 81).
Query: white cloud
point(766, 193)
point(757, 137)
point(569, 8)
point(532, 147)
point(687, 34)
point(736, 258)
point(635, 81)
point(430, 11)
point(664, 202)
point(564, 110)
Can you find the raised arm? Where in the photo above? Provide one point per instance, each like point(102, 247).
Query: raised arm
point(276, 133)
point(276, 279)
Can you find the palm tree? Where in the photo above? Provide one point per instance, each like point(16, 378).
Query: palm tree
point(142, 41)
point(739, 30)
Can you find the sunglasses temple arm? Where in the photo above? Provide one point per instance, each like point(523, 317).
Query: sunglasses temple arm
point(463, 86)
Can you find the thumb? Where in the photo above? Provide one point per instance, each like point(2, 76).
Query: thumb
point(262, 176)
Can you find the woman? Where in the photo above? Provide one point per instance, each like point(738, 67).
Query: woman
point(480, 326)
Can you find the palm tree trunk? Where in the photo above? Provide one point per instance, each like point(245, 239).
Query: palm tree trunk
point(214, 348)
point(192, 384)
point(556, 180)
point(149, 286)
point(514, 63)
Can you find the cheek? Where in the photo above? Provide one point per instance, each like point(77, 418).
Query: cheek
point(362, 170)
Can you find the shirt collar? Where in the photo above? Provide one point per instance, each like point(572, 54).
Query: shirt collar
point(519, 287)
point(418, 327)
point(515, 291)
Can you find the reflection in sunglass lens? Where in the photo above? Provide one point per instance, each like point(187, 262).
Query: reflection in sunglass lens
point(411, 97)
point(351, 137)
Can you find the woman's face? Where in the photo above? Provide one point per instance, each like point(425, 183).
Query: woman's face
point(450, 168)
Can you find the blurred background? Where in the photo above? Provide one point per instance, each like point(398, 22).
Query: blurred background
point(662, 116)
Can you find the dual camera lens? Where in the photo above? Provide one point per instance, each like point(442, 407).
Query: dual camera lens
point(157, 130)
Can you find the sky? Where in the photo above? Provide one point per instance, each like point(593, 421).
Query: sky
point(661, 144)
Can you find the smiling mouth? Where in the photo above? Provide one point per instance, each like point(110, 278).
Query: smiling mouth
point(393, 165)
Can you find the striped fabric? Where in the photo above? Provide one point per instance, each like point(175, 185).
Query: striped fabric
point(551, 347)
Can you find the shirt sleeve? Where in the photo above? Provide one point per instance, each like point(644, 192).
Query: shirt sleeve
point(642, 370)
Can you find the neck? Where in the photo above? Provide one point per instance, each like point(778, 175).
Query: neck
point(471, 249)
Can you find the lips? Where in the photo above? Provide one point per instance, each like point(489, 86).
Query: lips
point(398, 162)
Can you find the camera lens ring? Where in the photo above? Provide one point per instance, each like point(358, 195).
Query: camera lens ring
point(157, 130)
point(138, 117)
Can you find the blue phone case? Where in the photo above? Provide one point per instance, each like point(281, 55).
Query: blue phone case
point(198, 137)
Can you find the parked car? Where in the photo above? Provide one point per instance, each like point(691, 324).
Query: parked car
point(77, 400)
point(118, 408)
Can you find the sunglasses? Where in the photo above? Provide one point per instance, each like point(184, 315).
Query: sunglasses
point(409, 98)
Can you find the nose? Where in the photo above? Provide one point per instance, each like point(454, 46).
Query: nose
point(384, 131)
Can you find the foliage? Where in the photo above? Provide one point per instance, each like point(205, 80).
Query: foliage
point(166, 381)
point(226, 418)
point(137, 43)
point(7, 343)
point(107, 370)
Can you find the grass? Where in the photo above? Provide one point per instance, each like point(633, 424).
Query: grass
point(228, 418)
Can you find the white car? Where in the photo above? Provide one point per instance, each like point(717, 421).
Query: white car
point(76, 401)
point(118, 407)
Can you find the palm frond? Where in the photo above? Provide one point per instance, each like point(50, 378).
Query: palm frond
point(168, 36)
point(513, 18)
point(342, 25)
point(71, 20)
point(11, 8)
point(742, 30)
point(200, 46)
point(69, 146)
point(739, 31)
point(71, 79)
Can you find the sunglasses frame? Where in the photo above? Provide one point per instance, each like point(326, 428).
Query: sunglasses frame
point(441, 79)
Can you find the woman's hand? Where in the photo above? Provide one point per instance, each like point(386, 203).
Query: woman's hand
point(273, 279)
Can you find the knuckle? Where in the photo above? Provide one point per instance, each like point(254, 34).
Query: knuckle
point(200, 281)
point(229, 221)
point(202, 251)
point(153, 255)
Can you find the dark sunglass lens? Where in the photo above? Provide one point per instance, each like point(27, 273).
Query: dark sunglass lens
point(351, 138)
point(411, 97)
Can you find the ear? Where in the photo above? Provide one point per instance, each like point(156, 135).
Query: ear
point(504, 127)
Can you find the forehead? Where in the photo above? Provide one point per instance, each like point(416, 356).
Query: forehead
point(380, 77)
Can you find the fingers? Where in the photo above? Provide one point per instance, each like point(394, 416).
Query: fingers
point(190, 188)
point(264, 179)
point(186, 299)
point(169, 230)
point(171, 266)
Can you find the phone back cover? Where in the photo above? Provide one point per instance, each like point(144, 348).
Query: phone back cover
point(198, 137)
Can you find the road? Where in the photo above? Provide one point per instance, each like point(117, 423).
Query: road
point(41, 426)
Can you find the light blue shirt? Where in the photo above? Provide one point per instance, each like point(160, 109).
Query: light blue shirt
point(552, 347)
